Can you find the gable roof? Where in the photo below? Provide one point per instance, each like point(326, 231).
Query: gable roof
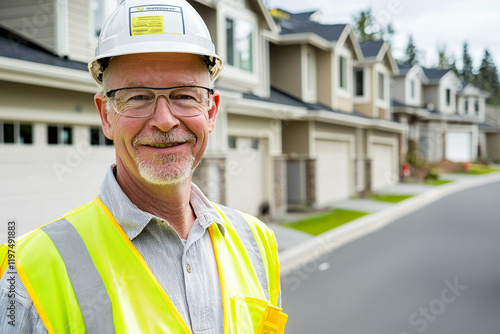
point(379, 51)
point(371, 48)
point(296, 27)
point(295, 23)
point(404, 68)
point(435, 74)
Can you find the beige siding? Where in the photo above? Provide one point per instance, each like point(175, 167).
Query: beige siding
point(32, 19)
point(364, 108)
point(344, 104)
point(81, 42)
point(286, 69)
point(324, 78)
point(296, 137)
point(46, 103)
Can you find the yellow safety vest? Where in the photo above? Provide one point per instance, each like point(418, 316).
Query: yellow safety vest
point(85, 276)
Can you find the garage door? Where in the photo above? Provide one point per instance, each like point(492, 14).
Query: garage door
point(458, 146)
point(384, 172)
point(245, 174)
point(332, 171)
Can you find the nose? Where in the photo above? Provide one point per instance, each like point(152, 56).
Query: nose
point(163, 118)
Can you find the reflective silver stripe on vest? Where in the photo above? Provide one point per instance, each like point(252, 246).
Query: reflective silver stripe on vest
point(250, 243)
point(88, 286)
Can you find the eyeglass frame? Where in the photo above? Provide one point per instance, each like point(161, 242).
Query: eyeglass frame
point(110, 95)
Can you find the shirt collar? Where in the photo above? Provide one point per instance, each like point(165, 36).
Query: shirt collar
point(133, 220)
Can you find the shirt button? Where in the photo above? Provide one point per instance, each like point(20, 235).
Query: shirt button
point(188, 267)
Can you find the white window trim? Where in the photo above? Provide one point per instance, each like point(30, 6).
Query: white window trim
point(232, 72)
point(365, 98)
point(347, 91)
point(309, 72)
point(382, 103)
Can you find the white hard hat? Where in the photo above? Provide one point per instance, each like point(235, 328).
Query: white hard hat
point(144, 26)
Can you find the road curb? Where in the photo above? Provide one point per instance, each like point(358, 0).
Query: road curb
point(314, 251)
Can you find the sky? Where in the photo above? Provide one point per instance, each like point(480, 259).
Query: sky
point(431, 23)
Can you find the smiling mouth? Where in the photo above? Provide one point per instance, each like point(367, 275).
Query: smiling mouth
point(161, 145)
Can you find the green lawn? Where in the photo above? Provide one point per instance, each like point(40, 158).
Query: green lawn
point(478, 169)
point(391, 198)
point(316, 225)
point(437, 182)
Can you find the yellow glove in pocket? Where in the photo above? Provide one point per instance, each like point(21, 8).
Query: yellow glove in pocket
point(257, 316)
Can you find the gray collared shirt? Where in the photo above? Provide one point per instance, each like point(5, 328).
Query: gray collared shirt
point(185, 269)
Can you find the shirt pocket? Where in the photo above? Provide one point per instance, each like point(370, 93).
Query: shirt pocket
point(258, 316)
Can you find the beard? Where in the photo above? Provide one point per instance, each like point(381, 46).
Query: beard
point(168, 169)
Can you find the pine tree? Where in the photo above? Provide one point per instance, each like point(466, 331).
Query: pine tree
point(467, 73)
point(487, 78)
point(363, 26)
point(412, 54)
point(366, 27)
point(445, 61)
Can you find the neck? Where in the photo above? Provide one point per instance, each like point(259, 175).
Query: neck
point(169, 202)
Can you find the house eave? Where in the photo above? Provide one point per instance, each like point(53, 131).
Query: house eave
point(30, 73)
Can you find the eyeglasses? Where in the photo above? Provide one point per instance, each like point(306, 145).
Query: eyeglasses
point(184, 101)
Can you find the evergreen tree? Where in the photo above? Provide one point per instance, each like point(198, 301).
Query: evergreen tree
point(363, 26)
point(487, 78)
point(445, 61)
point(467, 73)
point(366, 27)
point(412, 54)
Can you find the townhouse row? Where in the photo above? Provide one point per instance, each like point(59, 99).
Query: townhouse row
point(306, 116)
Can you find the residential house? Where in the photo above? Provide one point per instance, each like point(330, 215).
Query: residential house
point(330, 150)
point(490, 129)
point(440, 114)
point(372, 98)
point(288, 129)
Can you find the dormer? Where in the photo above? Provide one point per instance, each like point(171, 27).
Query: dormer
point(471, 101)
point(240, 40)
point(440, 92)
point(408, 87)
point(372, 79)
point(313, 61)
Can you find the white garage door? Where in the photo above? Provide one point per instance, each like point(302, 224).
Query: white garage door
point(332, 171)
point(245, 174)
point(458, 146)
point(384, 172)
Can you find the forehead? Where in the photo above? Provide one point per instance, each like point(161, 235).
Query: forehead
point(158, 70)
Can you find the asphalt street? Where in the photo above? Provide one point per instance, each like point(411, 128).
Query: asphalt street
point(436, 270)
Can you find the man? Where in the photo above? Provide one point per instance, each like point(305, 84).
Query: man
point(150, 254)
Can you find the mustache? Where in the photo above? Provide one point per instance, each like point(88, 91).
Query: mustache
point(172, 136)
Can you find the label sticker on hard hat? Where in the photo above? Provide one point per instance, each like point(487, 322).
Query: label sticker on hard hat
point(158, 19)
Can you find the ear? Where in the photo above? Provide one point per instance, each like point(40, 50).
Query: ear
point(212, 112)
point(101, 104)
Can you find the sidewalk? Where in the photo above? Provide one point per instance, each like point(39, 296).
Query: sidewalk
point(289, 239)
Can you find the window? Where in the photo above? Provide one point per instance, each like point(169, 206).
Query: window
point(412, 87)
point(97, 137)
point(360, 83)
point(255, 143)
point(231, 142)
point(16, 133)
point(381, 86)
point(476, 107)
point(466, 105)
point(239, 44)
point(343, 72)
point(59, 135)
point(448, 97)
